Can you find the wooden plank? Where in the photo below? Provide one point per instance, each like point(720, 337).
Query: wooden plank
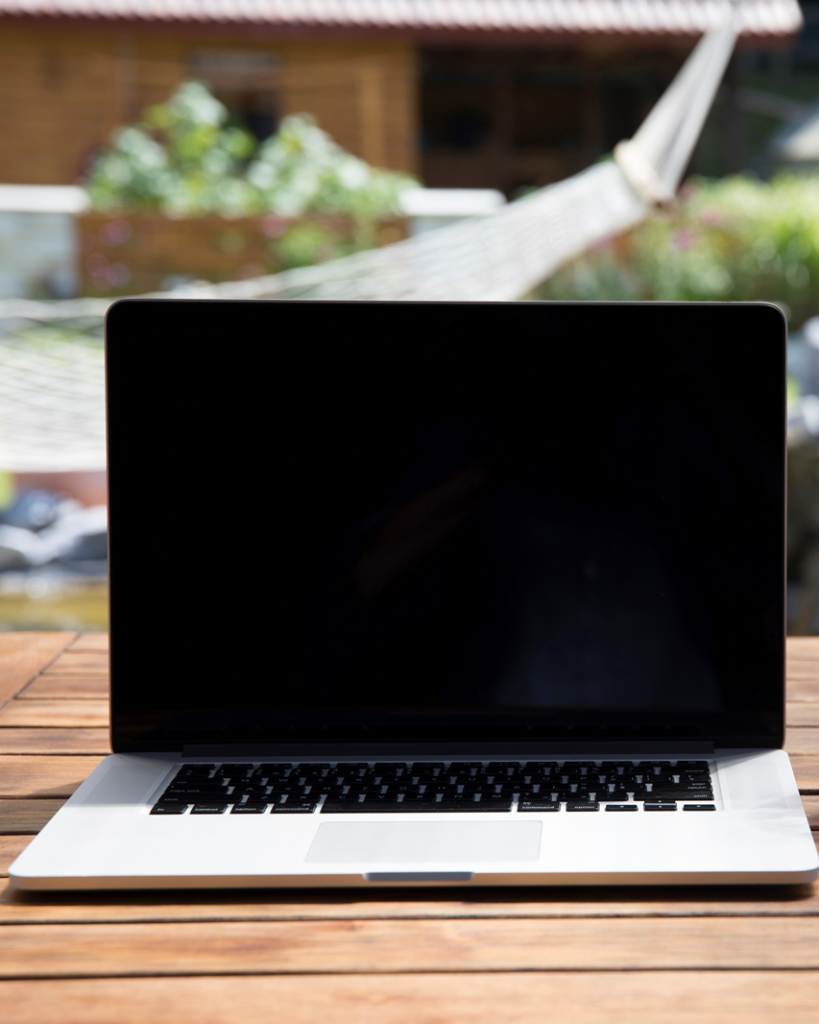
point(803, 714)
point(806, 770)
point(24, 655)
point(803, 646)
point(75, 688)
point(80, 663)
point(64, 714)
point(90, 642)
point(321, 947)
point(802, 669)
point(22, 817)
point(800, 740)
point(811, 805)
point(39, 776)
point(10, 847)
point(802, 690)
point(54, 741)
point(586, 997)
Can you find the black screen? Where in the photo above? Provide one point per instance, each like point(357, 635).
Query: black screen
point(403, 523)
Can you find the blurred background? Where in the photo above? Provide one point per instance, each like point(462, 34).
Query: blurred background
point(150, 151)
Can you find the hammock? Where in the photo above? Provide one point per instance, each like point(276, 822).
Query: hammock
point(50, 420)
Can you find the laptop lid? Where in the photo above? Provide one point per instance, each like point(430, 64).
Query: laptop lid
point(406, 527)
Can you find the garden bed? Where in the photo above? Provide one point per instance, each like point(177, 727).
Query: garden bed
point(134, 253)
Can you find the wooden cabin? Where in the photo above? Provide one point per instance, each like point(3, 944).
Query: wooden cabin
point(464, 93)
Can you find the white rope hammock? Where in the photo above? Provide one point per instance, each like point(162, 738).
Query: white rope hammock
point(51, 415)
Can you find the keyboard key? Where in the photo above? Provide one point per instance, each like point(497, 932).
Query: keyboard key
point(648, 806)
point(275, 770)
point(296, 808)
point(209, 808)
point(699, 807)
point(194, 794)
point(419, 800)
point(539, 805)
point(254, 808)
point(496, 801)
point(234, 769)
point(586, 805)
point(454, 797)
point(621, 807)
point(169, 808)
point(471, 806)
point(339, 800)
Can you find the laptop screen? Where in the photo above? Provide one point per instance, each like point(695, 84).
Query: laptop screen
point(416, 523)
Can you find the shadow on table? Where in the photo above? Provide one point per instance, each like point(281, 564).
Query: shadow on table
point(306, 904)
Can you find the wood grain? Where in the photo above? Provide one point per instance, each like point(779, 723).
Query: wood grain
point(24, 655)
point(54, 741)
point(64, 714)
point(806, 771)
point(80, 663)
point(89, 642)
point(805, 714)
point(801, 740)
point(10, 847)
point(716, 956)
point(67, 688)
point(331, 947)
point(22, 817)
point(23, 775)
point(802, 669)
point(587, 997)
point(811, 805)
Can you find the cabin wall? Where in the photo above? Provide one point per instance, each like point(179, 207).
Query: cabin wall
point(63, 92)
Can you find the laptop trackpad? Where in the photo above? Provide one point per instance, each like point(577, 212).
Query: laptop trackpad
point(424, 842)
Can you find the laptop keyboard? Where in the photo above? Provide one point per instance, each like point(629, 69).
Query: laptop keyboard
point(509, 786)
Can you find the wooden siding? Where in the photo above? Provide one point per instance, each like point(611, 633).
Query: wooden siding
point(62, 93)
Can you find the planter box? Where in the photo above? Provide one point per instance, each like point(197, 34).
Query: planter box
point(129, 254)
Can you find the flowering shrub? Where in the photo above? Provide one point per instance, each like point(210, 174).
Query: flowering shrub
point(729, 240)
point(181, 160)
point(184, 160)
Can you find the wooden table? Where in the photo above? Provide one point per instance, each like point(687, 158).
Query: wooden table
point(604, 956)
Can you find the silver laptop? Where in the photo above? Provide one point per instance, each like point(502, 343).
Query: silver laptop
point(441, 594)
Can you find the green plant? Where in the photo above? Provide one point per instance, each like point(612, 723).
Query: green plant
point(301, 170)
point(184, 160)
point(181, 160)
point(730, 240)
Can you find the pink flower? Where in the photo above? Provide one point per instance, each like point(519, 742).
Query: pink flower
point(712, 217)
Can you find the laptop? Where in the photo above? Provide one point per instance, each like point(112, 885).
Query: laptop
point(441, 594)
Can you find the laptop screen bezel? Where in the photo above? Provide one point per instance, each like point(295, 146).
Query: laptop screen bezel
point(131, 322)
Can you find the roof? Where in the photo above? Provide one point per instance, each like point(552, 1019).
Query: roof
point(648, 18)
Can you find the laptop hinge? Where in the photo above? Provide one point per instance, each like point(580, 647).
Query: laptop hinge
point(543, 749)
